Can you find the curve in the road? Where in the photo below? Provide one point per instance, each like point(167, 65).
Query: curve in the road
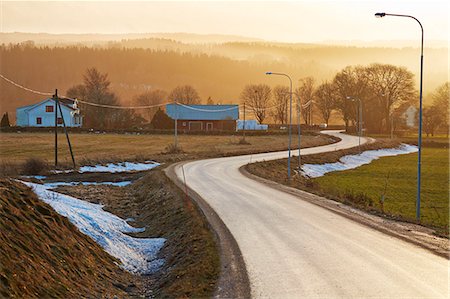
point(294, 249)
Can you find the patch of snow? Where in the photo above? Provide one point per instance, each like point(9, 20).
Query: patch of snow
point(57, 184)
point(138, 255)
point(120, 167)
point(39, 177)
point(354, 161)
point(115, 167)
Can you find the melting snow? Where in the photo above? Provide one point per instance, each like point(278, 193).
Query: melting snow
point(354, 161)
point(120, 167)
point(57, 184)
point(115, 167)
point(138, 255)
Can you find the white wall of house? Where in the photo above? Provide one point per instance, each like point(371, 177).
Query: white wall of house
point(410, 116)
point(43, 115)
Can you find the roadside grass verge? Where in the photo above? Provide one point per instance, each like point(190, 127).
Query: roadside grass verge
point(192, 261)
point(363, 187)
point(16, 149)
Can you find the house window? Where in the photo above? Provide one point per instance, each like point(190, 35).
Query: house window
point(39, 120)
point(184, 124)
point(60, 121)
point(48, 108)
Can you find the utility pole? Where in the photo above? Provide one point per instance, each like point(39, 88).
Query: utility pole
point(243, 131)
point(67, 135)
point(55, 98)
point(299, 132)
point(176, 125)
point(392, 126)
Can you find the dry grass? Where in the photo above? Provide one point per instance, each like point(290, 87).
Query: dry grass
point(191, 257)
point(43, 255)
point(18, 147)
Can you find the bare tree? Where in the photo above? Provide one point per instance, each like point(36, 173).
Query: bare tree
point(209, 101)
point(185, 94)
point(349, 82)
point(149, 98)
point(441, 99)
point(95, 89)
point(257, 98)
point(432, 119)
point(306, 94)
point(391, 86)
point(281, 98)
point(325, 96)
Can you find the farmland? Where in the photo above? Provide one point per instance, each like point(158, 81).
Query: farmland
point(17, 147)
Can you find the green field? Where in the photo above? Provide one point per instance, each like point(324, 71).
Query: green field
point(400, 174)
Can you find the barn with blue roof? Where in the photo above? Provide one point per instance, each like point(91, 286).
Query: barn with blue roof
point(204, 117)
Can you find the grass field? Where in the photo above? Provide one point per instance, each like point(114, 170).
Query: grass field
point(17, 147)
point(400, 175)
point(363, 187)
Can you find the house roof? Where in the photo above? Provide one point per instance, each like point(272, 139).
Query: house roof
point(202, 112)
point(68, 103)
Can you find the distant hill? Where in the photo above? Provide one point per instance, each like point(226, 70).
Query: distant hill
point(100, 39)
point(218, 69)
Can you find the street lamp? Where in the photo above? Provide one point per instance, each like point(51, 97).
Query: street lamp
point(298, 129)
point(419, 160)
point(290, 120)
point(360, 119)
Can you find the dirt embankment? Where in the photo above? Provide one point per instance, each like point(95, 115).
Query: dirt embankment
point(43, 255)
point(191, 257)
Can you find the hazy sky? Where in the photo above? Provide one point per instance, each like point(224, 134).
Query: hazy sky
point(287, 21)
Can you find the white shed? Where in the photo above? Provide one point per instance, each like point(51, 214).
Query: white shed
point(250, 125)
point(42, 114)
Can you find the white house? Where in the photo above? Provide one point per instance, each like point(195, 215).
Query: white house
point(42, 114)
point(410, 116)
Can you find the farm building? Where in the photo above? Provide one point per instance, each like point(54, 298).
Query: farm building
point(204, 117)
point(42, 114)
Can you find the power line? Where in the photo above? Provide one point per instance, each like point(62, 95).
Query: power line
point(206, 110)
point(78, 100)
point(25, 88)
point(118, 107)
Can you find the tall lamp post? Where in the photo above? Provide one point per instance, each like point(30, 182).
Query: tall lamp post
point(419, 160)
point(290, 120)
point(360, 119)
point(298, 128)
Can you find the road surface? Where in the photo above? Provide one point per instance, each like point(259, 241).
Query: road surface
point(295, 249)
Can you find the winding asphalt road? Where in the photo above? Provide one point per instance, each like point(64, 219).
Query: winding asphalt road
point(295, 249)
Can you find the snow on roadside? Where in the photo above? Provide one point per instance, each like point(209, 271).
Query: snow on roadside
point(120, 167)
point(57, 184)
point(354, 161)
point(115, 167)
point(138, 255)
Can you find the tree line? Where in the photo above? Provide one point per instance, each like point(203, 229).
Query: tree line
point(385, 92)
point(96, 89)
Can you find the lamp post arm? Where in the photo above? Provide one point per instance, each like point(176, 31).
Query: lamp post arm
point(420, 24)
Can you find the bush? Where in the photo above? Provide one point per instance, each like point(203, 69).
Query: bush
point(173, 149)
point(242, 141)
point(34, 166)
